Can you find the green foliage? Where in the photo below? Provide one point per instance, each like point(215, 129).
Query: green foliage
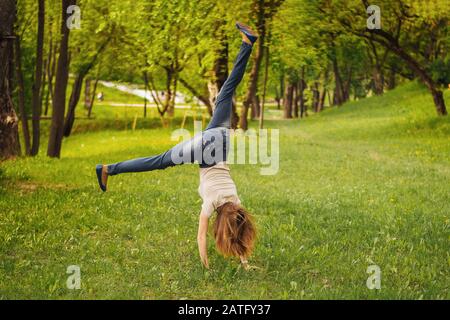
point(296, 40)
point(98, 29)
point(422, 28)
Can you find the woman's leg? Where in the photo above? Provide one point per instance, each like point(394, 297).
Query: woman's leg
point(192, 150)
point(183, 153)
point(160, 161)
point(222, 111)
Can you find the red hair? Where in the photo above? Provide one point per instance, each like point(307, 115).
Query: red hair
point(234, 230)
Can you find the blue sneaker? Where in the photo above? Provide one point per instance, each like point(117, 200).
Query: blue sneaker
point(249, 33)
point(99, 172)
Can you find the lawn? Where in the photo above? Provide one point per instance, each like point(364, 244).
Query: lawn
point(363, 184)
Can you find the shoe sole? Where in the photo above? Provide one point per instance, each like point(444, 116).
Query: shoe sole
point(244, 29)
point(98, 170)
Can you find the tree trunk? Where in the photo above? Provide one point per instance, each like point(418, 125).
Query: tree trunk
point(266, 74)
point(278, 99)
point(220, 69)
point(234, 114)
point(21, 95)
point(250, 100)
point(288, 97)
point(315, 92)
point(174, 96)
point(202, 97)
point(62, 75)
point(264, 11)
point(76, 89)
point(419, 70)
point(9, 134)
point(378, 80)
point(43, 82)
point(168, 92)
point(145, 75)
point(322, 96)
point(301, 89)
point(51, 67)
point(93, 97)
point(168, 95)
point(377, 68)
point(280, 91)
point(330, 101)
point(347, 84)
point(256, 106)
point(87, 93)
point(301, 97)
point(439, 102)
point(391, 42)
point(296, 101)
point(391, 83)
point(73, 101)
point(36, 105)
point(323, 91)
point(338, 96)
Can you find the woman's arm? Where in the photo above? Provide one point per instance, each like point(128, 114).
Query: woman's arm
point(201, 239)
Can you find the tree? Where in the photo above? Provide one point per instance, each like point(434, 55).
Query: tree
point(9, 137)
point(101, 29)
point(263, 10)
point(62, 75)
point(210, 68)
point(36, 100)
point(399, 15)
point(53, 19)
point(299, 55)
point(289, 96)
point(220, 67)
point(81, 73)
point(20, 83)
point(266, 75)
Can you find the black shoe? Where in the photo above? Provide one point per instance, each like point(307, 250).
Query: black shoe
point(99, 172)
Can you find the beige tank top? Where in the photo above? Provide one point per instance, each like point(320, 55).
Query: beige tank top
point(216, 188)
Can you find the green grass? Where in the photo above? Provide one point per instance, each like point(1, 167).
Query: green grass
point(363, 184)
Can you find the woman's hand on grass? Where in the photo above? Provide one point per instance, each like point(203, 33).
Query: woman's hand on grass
point(202, 248)
point(204, 259)
point(246, 266)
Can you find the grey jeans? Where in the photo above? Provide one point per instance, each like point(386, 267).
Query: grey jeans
point(207, 148)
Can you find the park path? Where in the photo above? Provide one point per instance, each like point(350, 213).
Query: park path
point(179, 98)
